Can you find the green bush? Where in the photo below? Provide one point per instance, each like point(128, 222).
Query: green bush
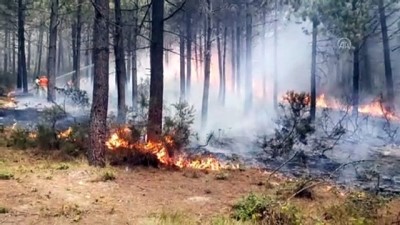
point(266, 210)
point(358, 209)
point(21, 138)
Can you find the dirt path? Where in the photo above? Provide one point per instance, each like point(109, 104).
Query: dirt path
point(43, 193)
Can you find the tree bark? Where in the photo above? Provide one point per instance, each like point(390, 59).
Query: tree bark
point(28, 63)
point(386, 54)
point(220, 70)
point(238, 53)
point(224, 66)
point(207, 65)
point(51, 61)
point(98, 114)
point(6, 50)
point(233, 63)
point(249, 73)
point(120, 68)
point(19, 81)
point(188, 52)
point(356, 79)
point(275, 86)
point(154, 128)
point(134, 57)
point(196, 56)
point(182, 63)
point(39, 49)
point(22, 73)
point(313, 70)
point(77, 48)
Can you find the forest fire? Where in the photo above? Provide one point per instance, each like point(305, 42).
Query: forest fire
point(161, 151)
point(376, 108)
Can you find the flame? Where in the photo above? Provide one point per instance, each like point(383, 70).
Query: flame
point(375, 108)
point(160, 150)
point(65, 134)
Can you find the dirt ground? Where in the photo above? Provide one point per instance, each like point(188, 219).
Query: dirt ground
point(44, 191)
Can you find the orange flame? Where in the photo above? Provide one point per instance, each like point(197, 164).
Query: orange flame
point(65, 134)
point(160, 150)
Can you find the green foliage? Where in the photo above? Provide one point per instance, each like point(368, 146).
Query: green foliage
point(266, 210)
point(21, 138)
point(179, 125)
point(46, 137)
point(358, 209)
point(75, 97)
point(108, 176)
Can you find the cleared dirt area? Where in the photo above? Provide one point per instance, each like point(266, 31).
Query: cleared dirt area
point(36, 190)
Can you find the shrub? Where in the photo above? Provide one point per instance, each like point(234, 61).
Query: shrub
point(75, 97)
point(266, 210)
point(359, 208)
point(7, 83)
point(178, 126)
point(21, 138)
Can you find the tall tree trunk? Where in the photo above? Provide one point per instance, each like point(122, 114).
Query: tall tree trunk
point(77, 48)
point(386, 54)
point(366, 74)
point(207, 65)
point(189, 52)
point(134, 57)
point(60, 56)
point(275, 86)
point(201, 49)
point(238, 53)
point(22, 74)
point(39, 49)
point(356, 79)
point(6, 49)
point(220, 71)
point(182, 63)
point(233, 63)
point(224, 65)
point(120, 68)
point(196, 56)
point(264, 51)
point(14, 54)
point(51, 62)
point(157, 71)
point(249, 73)
point(98, 113)
point(29, 52)
point(313, 70)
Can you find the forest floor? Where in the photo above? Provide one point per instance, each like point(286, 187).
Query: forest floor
point(37, 189)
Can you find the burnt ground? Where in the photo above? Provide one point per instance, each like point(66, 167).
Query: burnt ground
point(44, 190)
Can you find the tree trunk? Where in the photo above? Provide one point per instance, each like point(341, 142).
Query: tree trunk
point(201, 49)
point(218, 33)
point(22, 73)
point(154, 128)
point(39, 50)
point(233, 63)
point(6, 49)
point(356, 79)
point(98, 113)
point(207, 65)
point(134, 58)
point(182, 63)
point(77, 48)
point(249, 73)
point(60, 56)
point(386, 54)
point(196, 56)
point(264, 51)
point(189, 52)
point(29, 52)
point(275, 87)
point(120, 68)
point(238, 53)
point(51, 61)
point(224, 66)
point(19, 81)
point(313, 70)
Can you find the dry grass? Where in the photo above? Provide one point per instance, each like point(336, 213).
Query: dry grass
point(48, 190)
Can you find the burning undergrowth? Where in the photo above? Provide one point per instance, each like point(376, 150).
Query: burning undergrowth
point(123, 142)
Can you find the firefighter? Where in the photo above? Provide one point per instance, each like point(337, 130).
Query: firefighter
point(43, 82)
